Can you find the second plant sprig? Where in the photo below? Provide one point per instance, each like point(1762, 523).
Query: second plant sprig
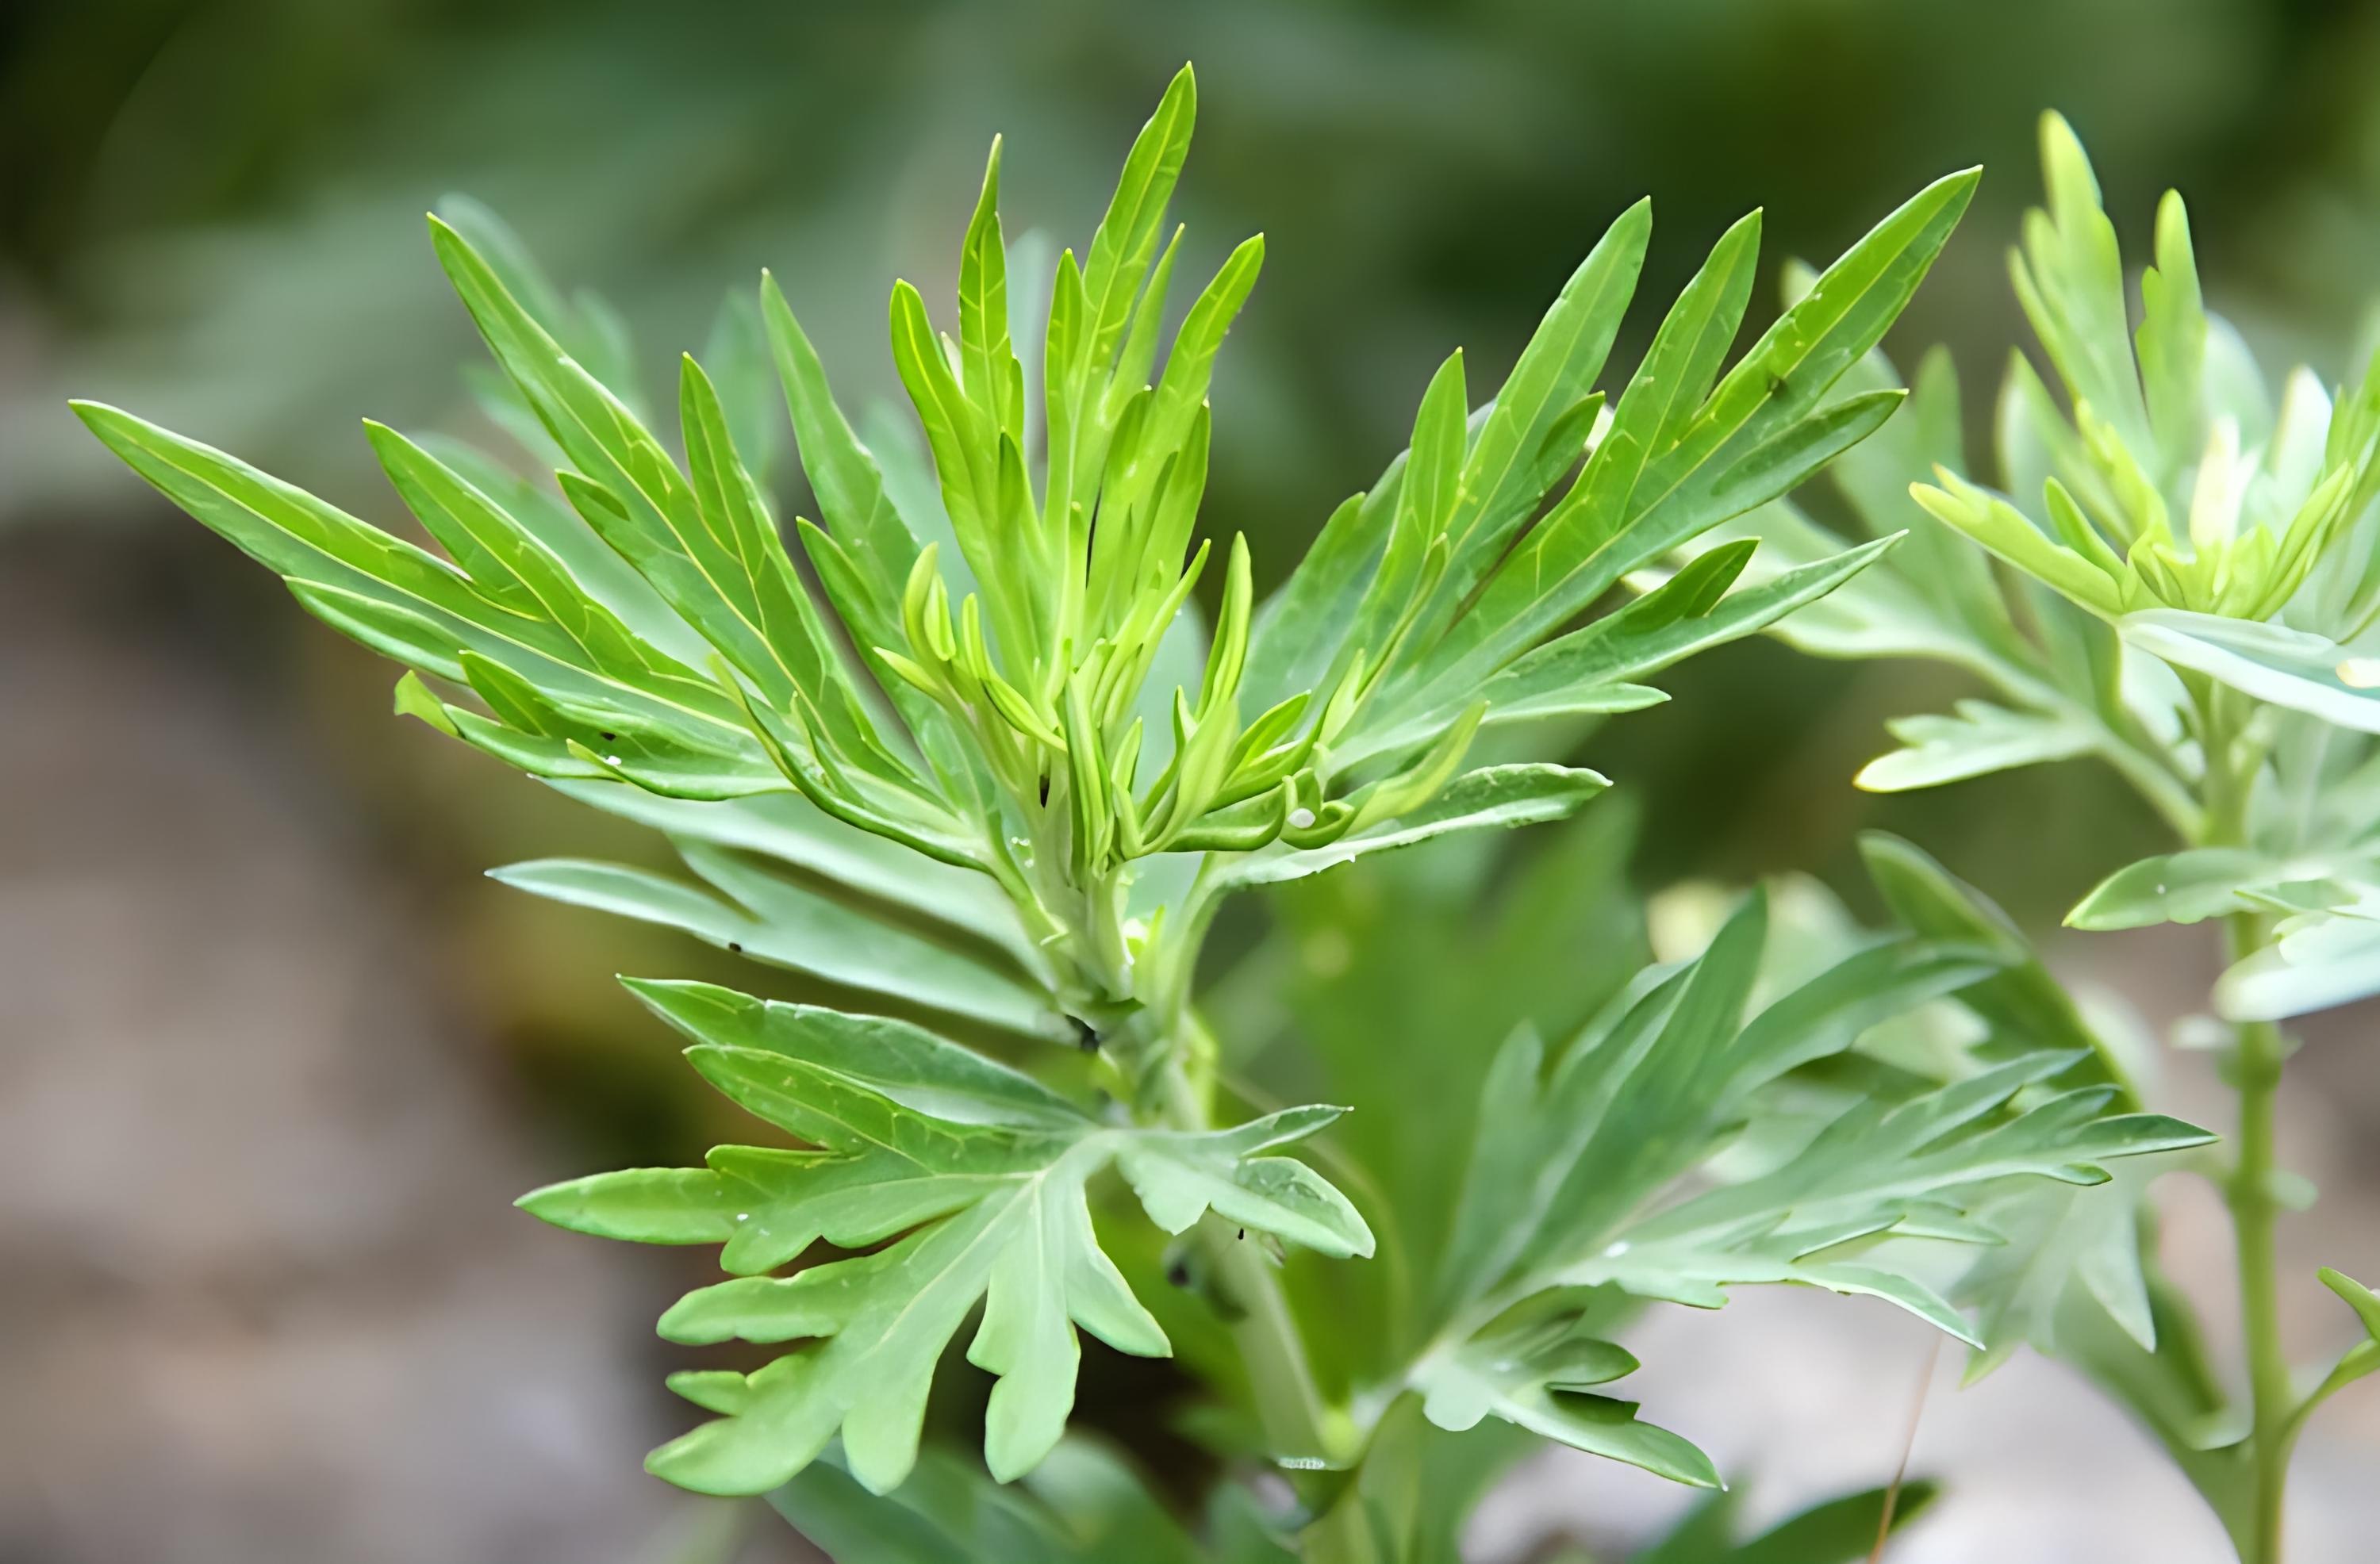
point(2193, 580)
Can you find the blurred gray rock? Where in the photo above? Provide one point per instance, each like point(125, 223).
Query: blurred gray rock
point(262, 1294)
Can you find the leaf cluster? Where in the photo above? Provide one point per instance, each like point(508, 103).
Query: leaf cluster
point(961, 748)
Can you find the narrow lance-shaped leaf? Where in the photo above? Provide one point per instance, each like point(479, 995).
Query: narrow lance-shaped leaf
point(1761, 432)
point(1979, 739)
point(1305, 628)
point(625, 484)
point(774, 920)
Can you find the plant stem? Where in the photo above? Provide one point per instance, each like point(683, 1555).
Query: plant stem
point(2257, 1068)
point(1298, 1421)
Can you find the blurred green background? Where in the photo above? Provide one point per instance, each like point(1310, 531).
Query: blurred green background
point(275, 1056)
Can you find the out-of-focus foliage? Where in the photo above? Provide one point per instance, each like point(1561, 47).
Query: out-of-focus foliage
point(2179, 573)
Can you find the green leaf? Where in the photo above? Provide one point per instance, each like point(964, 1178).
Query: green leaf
point(1559, 367)
point(1125, 243)
point(852, 493)
point(592, 563)
point(415, 607)
point(791, 829)
point(1302, 627)
point(722, 575)
point(1084, 1505)
point(1181, 1177)
point(737, 354)
point(2021, 1001)
point(1759, 434)
point(1005, 1220)
point(2003, 530)
point(1426, 497)
point(1026, 1243)
point(772, 919)
point(2272, 662)
point(1190, 364)
point(2359, 1361)
point(729, 506)
point(1869, 987)
point(2174, 1391)
point(1840, 1531)
point(948, 1509)
point(1494, 796)
point(1418, 1485)
point(905, 1063)
point(2060, 1242)
point(1468, 936)
point(586, 325)
point(2320, 960)
point(1594, 1177)
point(1871, 1170)
point(1591, 669)
point(1980, 739)
point(2187, 887)
point(564, 678)
point(643, 1206)
point(2070, 277)
point(2063, 1243)
point(986, 358)
point(987, 1209)
point(2171, 341)
point(1534, 1370)
point(1305, 627)
point(2356, 1296)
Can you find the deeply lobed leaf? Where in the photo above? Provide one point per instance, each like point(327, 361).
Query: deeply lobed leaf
point(976, 1176)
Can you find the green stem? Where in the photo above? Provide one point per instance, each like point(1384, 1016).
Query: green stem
point(2257, 1066)
point(2256, 1075)
point(1299, 1422)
